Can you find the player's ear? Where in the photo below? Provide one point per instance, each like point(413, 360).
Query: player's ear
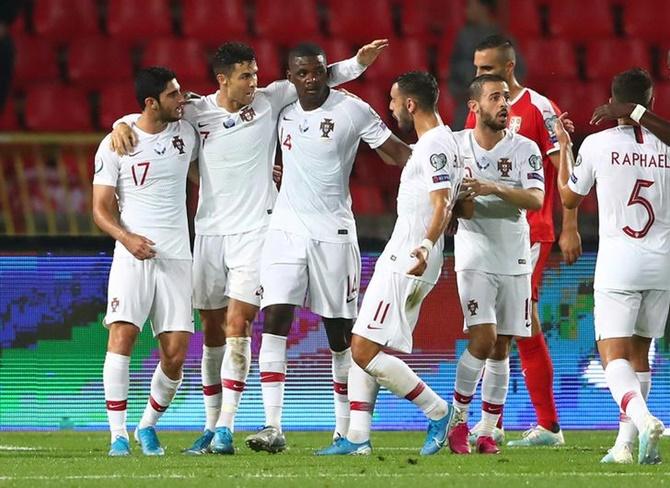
point(221, 79)
point(472, 105)
point(410, 105)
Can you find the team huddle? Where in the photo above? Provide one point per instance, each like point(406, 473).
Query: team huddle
point(491, 186)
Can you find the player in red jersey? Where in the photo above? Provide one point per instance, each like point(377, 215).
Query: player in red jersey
point(533, 115)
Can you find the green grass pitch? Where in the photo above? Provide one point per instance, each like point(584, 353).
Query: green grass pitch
point(67, 459)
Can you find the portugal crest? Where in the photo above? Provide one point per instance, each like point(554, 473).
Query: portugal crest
point(472, 307)
point(504, 166)
point(326, 127)
point(178, 143)
point(247, 114)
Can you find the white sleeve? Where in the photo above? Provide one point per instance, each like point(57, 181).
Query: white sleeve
point(344, 71)
point(532, 171)
point(369, 125)
point(583, 175)
point(438, 162)
point(129, 119)
point(107, 165)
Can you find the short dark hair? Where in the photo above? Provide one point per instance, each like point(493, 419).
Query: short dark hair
point(421, 86)
point(229, 54)
point(497, 41)
point(305, 49)
point(150, 82)
point(633, 86)
point(490, 5)
point(477, 85)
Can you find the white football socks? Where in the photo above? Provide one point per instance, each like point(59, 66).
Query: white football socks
point(210, 371)
point(116, 378)
point(234, 372)
point(272, 365)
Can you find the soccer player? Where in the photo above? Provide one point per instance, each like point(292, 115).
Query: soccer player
point(406, 272)
point(237, 133)
point(532, 115)
point(630, 167)
point(493, 256)
point(140, 200)
point(311, 256)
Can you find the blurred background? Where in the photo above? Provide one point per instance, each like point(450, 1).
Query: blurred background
point(66, 71)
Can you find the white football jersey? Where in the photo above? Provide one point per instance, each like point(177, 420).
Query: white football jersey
point(318, 150)
point(435, 164)
point(150, 187)
point(237, 152)
point(496, 239)
point(630, 168)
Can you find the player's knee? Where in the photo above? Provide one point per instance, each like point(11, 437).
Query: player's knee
point(363, 351)
point(172, 362)
point(483, 346)
point(122, 338)
point(278, 319)
point(237, 325)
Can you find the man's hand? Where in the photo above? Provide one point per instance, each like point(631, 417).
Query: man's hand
point(123, 139)
point(421, 255)
point(479, 187)
point(277, 173)
point(568, 123)
point(368, 53)
point(139, 246)
point(570, 243)
point(561, 132)
point(611, 111)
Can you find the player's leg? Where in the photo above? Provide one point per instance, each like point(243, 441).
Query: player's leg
point(339, 340)
point(130, 295)
point(477, 292)
point(209, 290)
point(616, 315)
point(172, 324)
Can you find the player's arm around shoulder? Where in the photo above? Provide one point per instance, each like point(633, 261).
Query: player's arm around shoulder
point(569, 197)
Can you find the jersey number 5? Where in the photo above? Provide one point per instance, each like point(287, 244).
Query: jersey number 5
point(140, 175)
point(636, 199)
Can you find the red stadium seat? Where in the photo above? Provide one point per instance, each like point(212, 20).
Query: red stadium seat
point(287, 22)
point(35, 61)
point(270, 66)
point(663, 61)
point(605, 58)
point(523, 19)
point(376, 95)
point(96, 61)
point(214, 21)
point(8, 119)
point(576, 20)
point(336, 50)
point(579, 100)
point(360, 22)
point(367, 199)
point(662, 99)
point(646, 20)
point(65, 19)
point(138, 21)
point(432, 19)
point(185, 56)
point(57, 108)
point(401, 56)
point(550, 59)
point(116, 101)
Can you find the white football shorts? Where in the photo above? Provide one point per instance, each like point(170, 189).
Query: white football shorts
point(227, 267)
point(390, 309)
point(155, 289)
point(323, 276)
point(619, 313)
point(502, 300)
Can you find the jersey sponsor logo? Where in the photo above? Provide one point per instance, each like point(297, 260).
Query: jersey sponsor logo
point(303, 126)
point(200, 124)
point(514, 124)
point(326, 127)
point(504, 166)
point(573, 178)
point(132, 155)
point(229, 122)
point(287, 119)
point(159, 148)
point(440, 178)
point(535, 176)
point(98, 165)
point(578, 161)
point(259, 291)
point(247, 114)
point(114, 304)
point(535, 162)
point(438, 161)
point(473, 306)
point(342, 232)
point(521, 261)
point(178, 143)
point(482, 163)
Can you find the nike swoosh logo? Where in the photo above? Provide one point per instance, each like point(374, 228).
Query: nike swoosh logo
point(201, 125)
point(289, 120)
point(134, 154)
point(373, 328)
point(349, 300)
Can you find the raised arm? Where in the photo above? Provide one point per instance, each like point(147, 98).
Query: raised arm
point(106, 217)
point(569, 198)
point(658, 126)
